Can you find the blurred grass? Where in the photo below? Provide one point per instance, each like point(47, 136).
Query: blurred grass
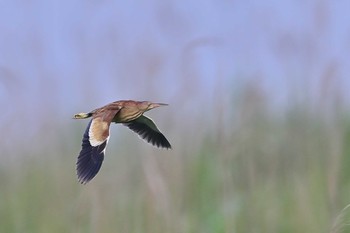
point(263, 173)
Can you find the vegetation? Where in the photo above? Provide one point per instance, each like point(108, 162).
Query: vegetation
point(256, 171)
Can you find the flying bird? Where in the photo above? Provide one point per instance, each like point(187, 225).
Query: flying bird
point(95, 139)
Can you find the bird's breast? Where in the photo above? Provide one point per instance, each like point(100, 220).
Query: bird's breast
point(126, 115)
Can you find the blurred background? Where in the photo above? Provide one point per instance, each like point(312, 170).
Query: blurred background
point(258, 115)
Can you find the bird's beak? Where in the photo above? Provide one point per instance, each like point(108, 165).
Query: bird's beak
point(156, 105)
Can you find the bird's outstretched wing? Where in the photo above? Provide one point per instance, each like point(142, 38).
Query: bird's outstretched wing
point(90, 157)
point(94, 144)
point(147, 130)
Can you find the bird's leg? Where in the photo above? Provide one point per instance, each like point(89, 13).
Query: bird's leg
point(82, 115)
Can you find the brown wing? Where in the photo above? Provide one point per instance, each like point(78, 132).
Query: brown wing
point(147, 130)
point(99, 127)
point(94, 144)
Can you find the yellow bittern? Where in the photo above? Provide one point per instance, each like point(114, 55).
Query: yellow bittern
point(95, 138)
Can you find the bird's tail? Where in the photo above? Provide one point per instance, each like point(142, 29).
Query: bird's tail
point(82, 115)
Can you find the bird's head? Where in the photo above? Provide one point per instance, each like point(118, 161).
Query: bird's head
point(146, 105)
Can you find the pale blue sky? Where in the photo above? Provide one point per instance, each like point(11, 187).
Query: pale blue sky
point(69, 56)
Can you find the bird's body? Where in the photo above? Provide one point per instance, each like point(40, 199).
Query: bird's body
point(95, 139)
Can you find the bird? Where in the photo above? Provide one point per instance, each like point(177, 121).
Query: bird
point(96, 136)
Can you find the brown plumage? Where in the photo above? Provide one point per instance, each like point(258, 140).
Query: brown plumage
point(95, 138)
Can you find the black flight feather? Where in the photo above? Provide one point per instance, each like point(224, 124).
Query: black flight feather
point(90, 158)
point(147, 130)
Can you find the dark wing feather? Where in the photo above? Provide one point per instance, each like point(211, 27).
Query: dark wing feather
point(147, 130)
point(94, 143)
point(90, 158)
